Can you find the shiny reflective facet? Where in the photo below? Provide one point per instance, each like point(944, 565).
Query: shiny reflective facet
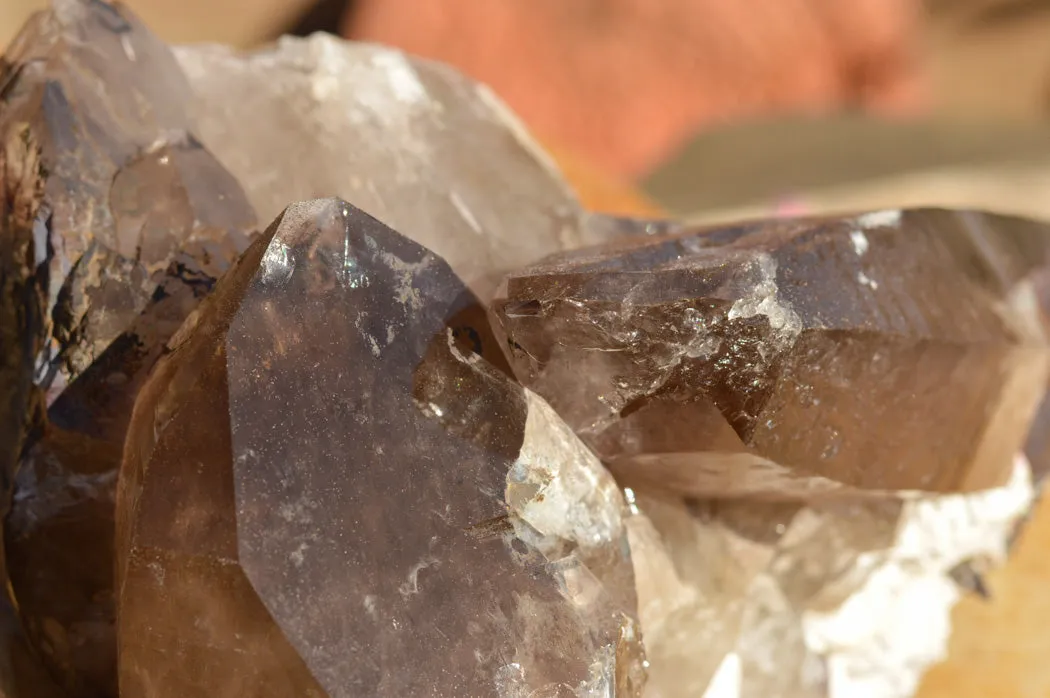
point(365, 484)
point(787, 358)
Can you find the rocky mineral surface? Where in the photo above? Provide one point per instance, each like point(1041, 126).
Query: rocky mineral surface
point(435, 430)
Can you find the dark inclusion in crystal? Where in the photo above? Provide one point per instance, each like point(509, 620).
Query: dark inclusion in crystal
point(353, 500)
point(114, 221)
point(889, 351)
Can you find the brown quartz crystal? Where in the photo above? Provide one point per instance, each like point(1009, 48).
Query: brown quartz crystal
point(117, 222)
point(330, 477)
point(789, 358)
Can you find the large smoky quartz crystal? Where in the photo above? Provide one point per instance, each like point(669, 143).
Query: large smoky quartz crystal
point(327, 466)
point(119, 221)
point(792, 358)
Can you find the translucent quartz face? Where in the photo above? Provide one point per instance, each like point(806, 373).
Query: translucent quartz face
point(369, 485)
point(794, 358)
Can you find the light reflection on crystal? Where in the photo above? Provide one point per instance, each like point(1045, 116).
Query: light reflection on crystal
point(782, 353)
point(483, 526)
point(750, 361)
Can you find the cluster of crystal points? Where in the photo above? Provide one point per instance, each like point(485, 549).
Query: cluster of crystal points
point(333, 459)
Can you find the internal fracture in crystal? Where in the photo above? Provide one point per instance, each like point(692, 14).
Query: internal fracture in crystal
point(788, 358)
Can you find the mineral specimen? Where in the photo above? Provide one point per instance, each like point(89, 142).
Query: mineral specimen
point(331, 485)
point(414, 143)
point(117, 222)
point(788, 358)
point(327, 473)
point(838, 599)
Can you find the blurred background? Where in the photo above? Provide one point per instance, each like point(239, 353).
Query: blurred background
point(718, 109)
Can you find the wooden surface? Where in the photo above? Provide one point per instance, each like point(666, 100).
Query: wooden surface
point(1000, 648)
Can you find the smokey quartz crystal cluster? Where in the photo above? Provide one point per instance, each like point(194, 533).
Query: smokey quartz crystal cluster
point(437, 431)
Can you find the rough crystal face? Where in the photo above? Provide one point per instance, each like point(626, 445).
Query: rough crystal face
point(788, 358)
point(119, 221)
point(330, 460)
point(101, 103)
point(327, 466)
point(759, 599)
point(414, 143)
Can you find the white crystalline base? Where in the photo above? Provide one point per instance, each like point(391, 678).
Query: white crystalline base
point(875, 643)
point(882, 639)
point(727, 680)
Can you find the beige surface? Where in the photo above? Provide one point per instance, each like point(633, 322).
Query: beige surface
point(989, 64)
point(748, 163)
point(237, 22)
point(13, 13)
point(1014, 189)
point(995, 65)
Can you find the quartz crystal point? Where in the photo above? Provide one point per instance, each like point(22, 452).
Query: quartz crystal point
point(329, 475)
point(414, 143)
point(837, 599)
point(117, 221)
point(881, 353)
